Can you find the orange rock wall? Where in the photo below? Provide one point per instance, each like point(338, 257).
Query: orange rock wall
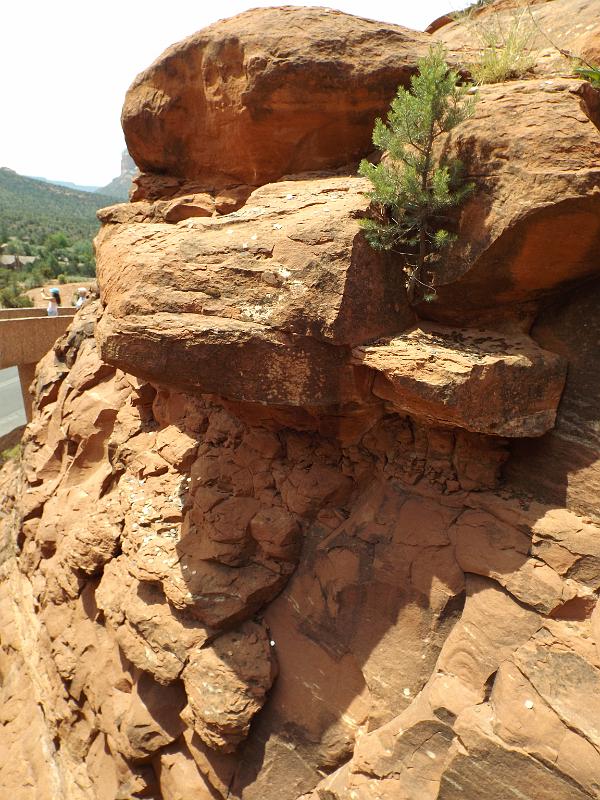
point(273, 536)
point(181, 563)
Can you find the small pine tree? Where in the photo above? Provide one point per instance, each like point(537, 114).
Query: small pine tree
point(412, 187)
point(589, 73)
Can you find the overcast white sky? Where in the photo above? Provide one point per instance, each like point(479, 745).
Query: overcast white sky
point(65, 66)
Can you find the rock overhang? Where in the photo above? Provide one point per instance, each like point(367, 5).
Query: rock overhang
point(478, 380)
point(260, 305)
point(277, 303)
point(266, 303)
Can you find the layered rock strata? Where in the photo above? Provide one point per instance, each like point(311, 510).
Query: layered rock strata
point(274, 536)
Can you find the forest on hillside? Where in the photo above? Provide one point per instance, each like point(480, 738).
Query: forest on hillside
point(52, 227)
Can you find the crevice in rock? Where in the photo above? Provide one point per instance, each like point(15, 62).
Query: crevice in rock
point(489, 686)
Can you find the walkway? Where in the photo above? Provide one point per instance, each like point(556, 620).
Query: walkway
point(26, 335)
point(12, 409)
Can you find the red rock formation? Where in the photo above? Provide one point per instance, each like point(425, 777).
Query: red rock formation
point(533, 226)
point(274, 538)
point(440, 374)
point(568, 25)
point(278, 284)
point(270, 92)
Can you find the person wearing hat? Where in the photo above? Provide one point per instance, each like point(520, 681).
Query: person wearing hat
point(82, 296)
point(53, 301)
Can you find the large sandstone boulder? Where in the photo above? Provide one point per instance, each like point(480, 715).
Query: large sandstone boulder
point(270, 92)
point(532, 226)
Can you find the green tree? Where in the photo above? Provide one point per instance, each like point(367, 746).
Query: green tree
point(14, 246)
point(56, 241)
point(414, 186)
point(590, 73)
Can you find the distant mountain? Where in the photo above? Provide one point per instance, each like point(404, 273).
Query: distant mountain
point(119, 187)
point(31, 208)
point(67, 184)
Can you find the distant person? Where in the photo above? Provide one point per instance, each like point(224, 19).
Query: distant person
point(82, 296)
point(53, 301)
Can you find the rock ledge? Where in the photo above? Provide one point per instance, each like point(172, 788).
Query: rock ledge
point(479, 380)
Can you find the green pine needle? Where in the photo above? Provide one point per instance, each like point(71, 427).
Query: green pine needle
point(412, 188)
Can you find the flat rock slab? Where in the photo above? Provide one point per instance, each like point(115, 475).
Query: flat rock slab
point(482, 381)
point(261, 305)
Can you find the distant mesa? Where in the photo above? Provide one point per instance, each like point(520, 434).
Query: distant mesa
point(67, 184)
point(119, 187)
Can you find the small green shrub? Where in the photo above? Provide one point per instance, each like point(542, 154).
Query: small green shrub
point(11, 453)
point(413, 187)
point(506, 48)
point(589, 73)
point(467, 13)
point(11, 297)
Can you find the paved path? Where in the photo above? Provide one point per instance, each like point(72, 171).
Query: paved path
point(12, 411)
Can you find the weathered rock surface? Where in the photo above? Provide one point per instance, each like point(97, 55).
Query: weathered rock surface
point(270, 92)
point(278, 285)
point(227, 684)
point(441, 374)
point(274, 537)
point(533, 225)
point(562, 466)
point(570, 25)
point(379, 665)
point(300, 267)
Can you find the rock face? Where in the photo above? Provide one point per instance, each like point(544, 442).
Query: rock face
point(570, 25)
point(534, 224)
point(273, 535)
point(562, 466)
point(280, 281)
point(270, 92)
point(440, 374)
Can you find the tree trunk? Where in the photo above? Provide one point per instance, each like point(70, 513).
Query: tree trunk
point(415, 275)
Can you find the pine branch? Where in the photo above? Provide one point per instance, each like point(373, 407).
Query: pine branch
point(412, 186)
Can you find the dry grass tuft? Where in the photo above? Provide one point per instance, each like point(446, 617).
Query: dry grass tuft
point(506, 48)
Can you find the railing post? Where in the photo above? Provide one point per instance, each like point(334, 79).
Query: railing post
point(26, 375)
